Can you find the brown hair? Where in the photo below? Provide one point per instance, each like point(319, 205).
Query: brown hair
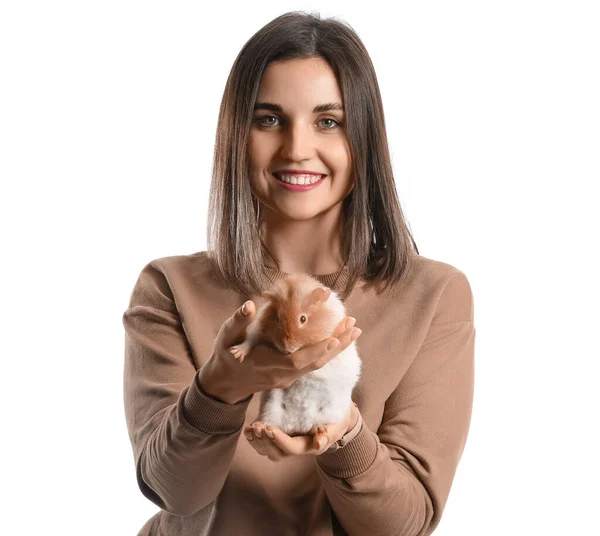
point(378, 246)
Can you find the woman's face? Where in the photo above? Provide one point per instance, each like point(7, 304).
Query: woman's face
point(296, 137)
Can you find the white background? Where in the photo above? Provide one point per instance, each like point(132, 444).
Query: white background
point(107, 120)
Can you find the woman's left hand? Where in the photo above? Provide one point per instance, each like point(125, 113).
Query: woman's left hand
point(282, 445)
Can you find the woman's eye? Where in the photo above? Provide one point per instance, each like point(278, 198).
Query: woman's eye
point(327, 122)
point(334, 125)
point(262, 119)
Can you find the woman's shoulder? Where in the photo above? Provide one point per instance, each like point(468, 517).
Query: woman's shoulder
point(179, 271)
point(182, 283)
point(447, 286)
point(435, 271)
point(190, 262)
point(427, 280)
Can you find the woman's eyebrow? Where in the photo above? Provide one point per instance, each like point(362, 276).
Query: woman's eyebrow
point(317, 109)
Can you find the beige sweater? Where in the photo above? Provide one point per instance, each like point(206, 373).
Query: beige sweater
point(415, 395)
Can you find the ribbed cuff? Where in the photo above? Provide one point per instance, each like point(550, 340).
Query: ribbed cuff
point(210, 415)
point(355, 458)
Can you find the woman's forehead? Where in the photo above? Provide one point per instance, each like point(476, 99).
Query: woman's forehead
point(299, 83)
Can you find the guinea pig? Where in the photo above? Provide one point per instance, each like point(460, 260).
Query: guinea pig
point(301, 311)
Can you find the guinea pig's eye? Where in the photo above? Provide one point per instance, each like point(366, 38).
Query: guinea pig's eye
point(302, 319)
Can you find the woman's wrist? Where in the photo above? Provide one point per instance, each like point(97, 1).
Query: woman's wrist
point(226, 398)
point(353, 430)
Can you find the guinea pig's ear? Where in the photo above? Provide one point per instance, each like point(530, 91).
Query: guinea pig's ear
point(318, 295)
point(268, 294)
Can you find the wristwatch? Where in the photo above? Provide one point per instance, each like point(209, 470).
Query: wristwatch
point(349, 435)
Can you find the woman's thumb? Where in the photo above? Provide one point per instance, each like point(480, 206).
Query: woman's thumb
point(235, 326)
point(247, 309)
point(243, 316)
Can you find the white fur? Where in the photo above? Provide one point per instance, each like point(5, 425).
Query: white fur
point(320, 397)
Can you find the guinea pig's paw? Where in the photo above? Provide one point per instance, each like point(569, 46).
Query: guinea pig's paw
point(239, 352)
point(319, 431)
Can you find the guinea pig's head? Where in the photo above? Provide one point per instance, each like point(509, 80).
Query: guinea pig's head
point(298, 313)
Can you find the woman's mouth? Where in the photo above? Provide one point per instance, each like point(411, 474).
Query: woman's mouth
point(302, 182)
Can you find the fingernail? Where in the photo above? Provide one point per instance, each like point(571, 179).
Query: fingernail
point(333, 344)
point(350, 322)
point(269, 433)
point(244, 308)
point(322, 443)
point(356, 333)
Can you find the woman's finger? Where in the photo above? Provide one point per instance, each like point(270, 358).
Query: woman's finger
point(273, 442)
point(344, 325)
point(315, 356)
point(263, 445)
point(293, 446)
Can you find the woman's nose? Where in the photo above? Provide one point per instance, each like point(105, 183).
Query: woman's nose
point(298, 143)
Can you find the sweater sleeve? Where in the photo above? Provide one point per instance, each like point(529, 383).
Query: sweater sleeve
point(397, 481)
point(183, 440)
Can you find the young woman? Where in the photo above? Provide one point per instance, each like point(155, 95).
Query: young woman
point(302, 182)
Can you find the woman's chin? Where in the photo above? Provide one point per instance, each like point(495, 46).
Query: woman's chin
point(297, 215)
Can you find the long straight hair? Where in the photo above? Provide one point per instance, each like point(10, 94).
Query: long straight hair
point(378, 246)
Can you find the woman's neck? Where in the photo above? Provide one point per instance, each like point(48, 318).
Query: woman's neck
point(311, 246)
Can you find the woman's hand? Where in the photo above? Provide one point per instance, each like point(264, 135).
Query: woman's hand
point(225, 378)
point(270, 441)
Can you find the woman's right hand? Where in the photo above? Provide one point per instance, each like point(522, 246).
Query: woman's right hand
point(225, 378)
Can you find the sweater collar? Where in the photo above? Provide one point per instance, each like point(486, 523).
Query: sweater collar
point(335, 281)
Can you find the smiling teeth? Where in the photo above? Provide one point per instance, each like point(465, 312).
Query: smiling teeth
point(300, 179)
